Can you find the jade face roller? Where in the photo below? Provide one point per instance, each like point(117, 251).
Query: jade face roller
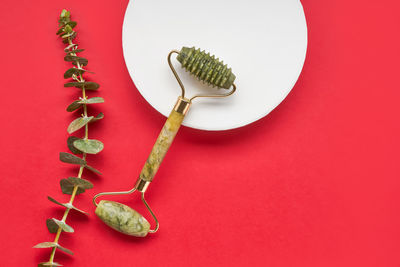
point(207, 69)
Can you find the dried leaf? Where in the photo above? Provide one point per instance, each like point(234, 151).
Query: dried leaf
point(46, 245)
point(70, 58)
point(90, 146)
point(74, 106)
point(67, 187)
point(86, 85)
point(93, 100)
point(90, 168)
point(78, 123)
point(98, 117)
point(71, 159)
point(66, 205)
point(53, 224)
point(45, 264)
point(70, 144)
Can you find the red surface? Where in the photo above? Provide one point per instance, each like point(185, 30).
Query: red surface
point(316, 183)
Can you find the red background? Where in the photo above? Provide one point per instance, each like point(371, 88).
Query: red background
point(315, 183)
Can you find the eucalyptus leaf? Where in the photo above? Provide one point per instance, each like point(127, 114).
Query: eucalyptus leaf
point(65, 14)
point(78, 123)
point(90, 168)
point(68, 34)
point(74, 106)
point(53, 225)
point(54, 201)
point(81, 60)
point(71, 71)
point(98, 117)
point(60, 31)
point(71, 159)
point(65, 250)
point(69, 47)
point(74, 51)
point(46, 245)
point(86, 85)
point(67, 29)
point(93, 100)
point(45, 264)
point(70, 144)
point(70, 206)
point(72, 24)
point(66, 205)
point(80, 182)
point(65, 227)
point(67, 187)
point(90, 146)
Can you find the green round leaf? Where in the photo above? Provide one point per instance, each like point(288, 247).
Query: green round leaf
point(55, 201)
point(67, 187)
point(65, 14)
point(65, 250)
point(74, 51)
point(71, 159)
point(46, 245)
point(69, 47)
point(78, 123)
point(60, 31)
point(86, 85)
point(70, 58)
point(74, 106)
point(98, 117)
point(70, 206)
point(90, 146)
point(80, 182)
point(71, 71)
point(67, 29)
point(72, 24)
point(90, 168)
point(66, 205)
point(70, 144)
point(53, 224)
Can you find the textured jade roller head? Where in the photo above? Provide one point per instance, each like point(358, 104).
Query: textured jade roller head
point(207, 69)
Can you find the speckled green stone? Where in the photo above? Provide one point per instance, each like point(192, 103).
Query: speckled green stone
point(122, 218)
point(160, 148)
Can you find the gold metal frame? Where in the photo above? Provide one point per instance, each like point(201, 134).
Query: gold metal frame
point(140, 186)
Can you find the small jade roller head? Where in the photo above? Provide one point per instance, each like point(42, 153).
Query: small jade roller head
point(207, 69)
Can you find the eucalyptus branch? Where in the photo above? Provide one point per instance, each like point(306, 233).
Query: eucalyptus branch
point(73, 185)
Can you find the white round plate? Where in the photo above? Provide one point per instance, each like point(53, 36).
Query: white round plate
point(263, 41)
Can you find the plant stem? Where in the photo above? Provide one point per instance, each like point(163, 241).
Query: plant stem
point(75, 189)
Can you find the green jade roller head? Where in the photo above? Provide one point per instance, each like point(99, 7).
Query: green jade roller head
point(207, 69)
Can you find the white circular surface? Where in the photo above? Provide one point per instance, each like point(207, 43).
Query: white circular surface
point(263, 41)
